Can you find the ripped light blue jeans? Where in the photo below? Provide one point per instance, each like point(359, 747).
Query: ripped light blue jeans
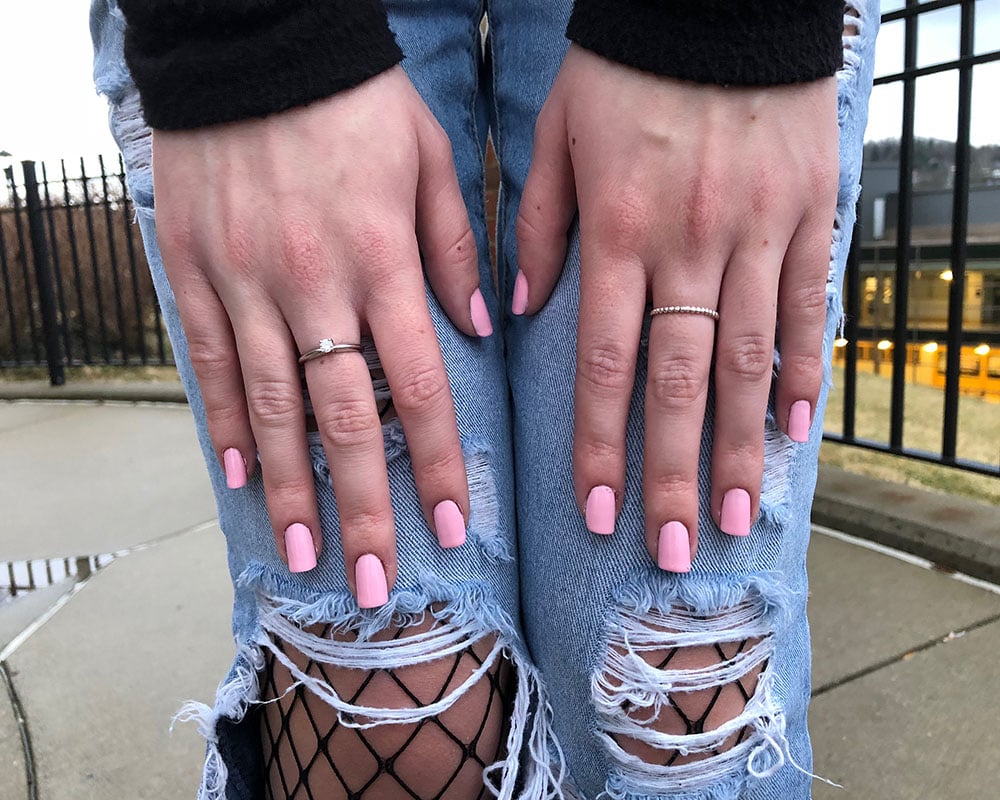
point(577, 614)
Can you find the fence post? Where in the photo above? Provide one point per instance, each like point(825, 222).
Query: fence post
point(43, 276)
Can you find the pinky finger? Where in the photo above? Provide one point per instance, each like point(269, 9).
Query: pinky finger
point(212, 350)
point(801, 323)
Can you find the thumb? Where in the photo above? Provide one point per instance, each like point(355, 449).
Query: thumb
point(548, 205)
point(446, 239)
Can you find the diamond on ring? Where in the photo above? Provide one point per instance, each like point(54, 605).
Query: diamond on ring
point(327, 346)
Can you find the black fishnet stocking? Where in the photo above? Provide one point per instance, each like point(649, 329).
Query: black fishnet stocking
point(690, 713)
point(310, 755)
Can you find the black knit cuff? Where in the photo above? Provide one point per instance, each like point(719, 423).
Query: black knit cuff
point(199, 63)
point(738, 42)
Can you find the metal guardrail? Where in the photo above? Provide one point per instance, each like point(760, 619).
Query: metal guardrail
point(74, 280)
point(958, 249)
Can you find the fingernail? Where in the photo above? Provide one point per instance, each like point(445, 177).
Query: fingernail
point(601, 510)
point(300, 548)
point(520, 303)
point(236, 468)
point(480, 315)
point(736, 512)
point(798, 421)
point(370, 577)
point(673, 550)
point(449, 524)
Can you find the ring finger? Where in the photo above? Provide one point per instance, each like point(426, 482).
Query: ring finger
point(347, 417)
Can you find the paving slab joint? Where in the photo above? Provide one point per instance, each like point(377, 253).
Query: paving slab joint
point(31, 778)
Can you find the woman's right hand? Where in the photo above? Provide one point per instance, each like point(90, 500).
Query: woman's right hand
point(282, 231)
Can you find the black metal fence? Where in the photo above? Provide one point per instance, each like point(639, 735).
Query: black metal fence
point(74, 284)
point(956, 250)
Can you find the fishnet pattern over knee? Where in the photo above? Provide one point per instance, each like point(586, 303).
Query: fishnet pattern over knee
point(690, 713)
point(309, 754)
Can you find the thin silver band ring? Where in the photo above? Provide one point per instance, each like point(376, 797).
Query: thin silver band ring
point(701, 310)
point(328, 346)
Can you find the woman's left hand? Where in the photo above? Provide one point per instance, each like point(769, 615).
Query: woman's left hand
point(691, 195)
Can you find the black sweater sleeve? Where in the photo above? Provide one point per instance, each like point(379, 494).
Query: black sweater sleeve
point(200, 62)
point(739, 42)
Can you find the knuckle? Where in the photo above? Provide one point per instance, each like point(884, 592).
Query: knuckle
point(274, 403)
point(747, 455)
point(802, 367)
point(422, 387)
point(374, 245)
point(627, 218)
point(677, 381)
point(442, 468)
point(286, 490)
point(671, 484)
point(809, 302)
point(348, 423)
point(749, 357)
point(370, 524)
point(302, 253)
point(703, 210)
point(238, 246)
point(605, 367)
point(208, 356)
point(593, 450)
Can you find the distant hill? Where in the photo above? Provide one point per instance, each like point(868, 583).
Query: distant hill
point(934, 162)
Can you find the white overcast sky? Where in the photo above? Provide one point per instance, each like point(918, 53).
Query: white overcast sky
point(48, 108)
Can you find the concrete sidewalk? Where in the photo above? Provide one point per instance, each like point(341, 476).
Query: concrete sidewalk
point(904, 656)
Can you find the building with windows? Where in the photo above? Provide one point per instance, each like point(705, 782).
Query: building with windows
point(930, 277)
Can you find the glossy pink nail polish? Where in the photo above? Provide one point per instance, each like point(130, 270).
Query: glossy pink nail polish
point(798, 421)
point(236, 468)
point(736, 512)
point(520, 302)
point(480, 314)
point(449, 524)
point(370, 576)
point(600, 514)
point(673, 550)
point(300, 548)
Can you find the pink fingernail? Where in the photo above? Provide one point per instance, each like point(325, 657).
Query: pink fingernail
point(601, 510)
point(798, 421)
point(520, 302)
point(673, 550)
point(736, 512)
point(300, 548)
point(449, 524)
point(370, 576)
point(480, 314)
point(236, 468)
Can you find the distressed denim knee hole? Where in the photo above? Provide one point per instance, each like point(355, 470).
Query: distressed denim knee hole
point(684, 702)
point(414, 663)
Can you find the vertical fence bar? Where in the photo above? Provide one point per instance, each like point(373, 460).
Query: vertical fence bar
point(25, 276)
point(43, 275)
point(9, 294)
point(112, 253)
point(959, 238)
point(901, 294)
point(852, 289)
point(56, 265)
point(77, 275)
point(10, 576)
point(88, 216)
point(130, 246)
